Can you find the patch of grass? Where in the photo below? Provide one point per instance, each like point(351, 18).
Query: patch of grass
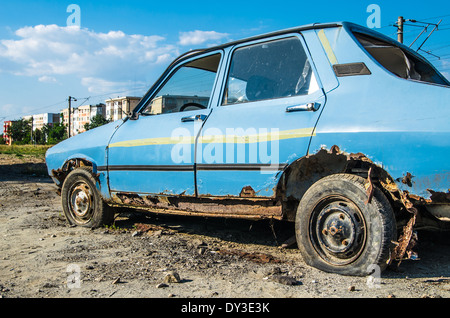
point(25, 150)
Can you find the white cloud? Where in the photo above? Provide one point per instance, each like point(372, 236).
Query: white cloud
point(199, 37)
point(102, 86)
point(47, 79)
point(49, 50)
point(7, 108)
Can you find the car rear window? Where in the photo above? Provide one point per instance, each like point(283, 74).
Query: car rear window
point(399, 61)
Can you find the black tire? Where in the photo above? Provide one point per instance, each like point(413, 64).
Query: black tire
point(81, 200)
point(338, 232)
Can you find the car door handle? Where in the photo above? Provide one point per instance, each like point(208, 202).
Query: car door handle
point(310, 107)
point(200, 117)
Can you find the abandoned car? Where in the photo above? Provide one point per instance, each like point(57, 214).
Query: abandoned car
point(334, 127)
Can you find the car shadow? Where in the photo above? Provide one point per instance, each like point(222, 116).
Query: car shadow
point(433, 247)
point(25, 172)
point(261, 232)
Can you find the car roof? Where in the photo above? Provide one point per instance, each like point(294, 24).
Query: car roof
point(261, 36)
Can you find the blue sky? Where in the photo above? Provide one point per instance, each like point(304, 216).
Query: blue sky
point(121, 47)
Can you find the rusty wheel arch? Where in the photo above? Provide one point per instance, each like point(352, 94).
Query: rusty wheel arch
point(302, 173)
point(60, 174)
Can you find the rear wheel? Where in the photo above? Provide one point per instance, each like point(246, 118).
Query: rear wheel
point(337, 231)
point(81, 200)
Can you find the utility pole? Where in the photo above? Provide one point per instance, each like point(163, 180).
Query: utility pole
point(70, 111)
point(400, 24)
point(400, 29)
point(32, 119)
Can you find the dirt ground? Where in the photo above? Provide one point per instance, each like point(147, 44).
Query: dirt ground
point(147, 255)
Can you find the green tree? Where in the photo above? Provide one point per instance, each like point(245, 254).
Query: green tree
point(56, 133)
point(96, 121)
point(45, 132)
point(20, 131)
point(38, 137)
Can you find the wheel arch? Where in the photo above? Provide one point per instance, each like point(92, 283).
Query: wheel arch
point(71, 163)
point(302, 173)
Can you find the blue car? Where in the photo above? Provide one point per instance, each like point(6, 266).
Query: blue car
point(334, 127)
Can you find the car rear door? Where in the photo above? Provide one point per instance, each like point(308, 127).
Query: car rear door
point(269, 104)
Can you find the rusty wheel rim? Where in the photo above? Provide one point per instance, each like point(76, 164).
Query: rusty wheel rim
point(338, 230)
point(81, 204)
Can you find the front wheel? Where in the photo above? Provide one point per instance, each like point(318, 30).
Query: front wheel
point(337, 231)
point(81, 201)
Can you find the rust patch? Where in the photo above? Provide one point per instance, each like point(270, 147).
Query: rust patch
point(61, 173)
point(223, 207)
point(259, 258)
point(247, 192)
point(407, 179)
point(142, 227)
point(439, 197)
point(407, 241)
point(369, 186)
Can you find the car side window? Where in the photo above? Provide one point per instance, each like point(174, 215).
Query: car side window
point(398, 61)
point(188, 88)
point(273, 69)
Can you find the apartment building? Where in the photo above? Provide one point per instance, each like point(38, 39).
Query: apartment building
point(38, 121)
point(172, 103)
point(80, 116)
point(6, 137)
point(117, 108)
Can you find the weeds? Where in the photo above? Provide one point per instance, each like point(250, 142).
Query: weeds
point(24, 150)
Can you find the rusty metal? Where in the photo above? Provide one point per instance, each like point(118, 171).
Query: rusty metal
point(439, 197)
point(61, 173)
point(221, 207)
point(406, 241)
point(407, 179)
point(259, 258)
point(247, 192)
point(369, 186)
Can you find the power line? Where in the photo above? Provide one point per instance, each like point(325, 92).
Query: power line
point(36, 109)
point(438, 17)
point(64, 101)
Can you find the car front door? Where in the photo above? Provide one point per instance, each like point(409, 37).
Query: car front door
point(154, 154)
point(270, 103)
